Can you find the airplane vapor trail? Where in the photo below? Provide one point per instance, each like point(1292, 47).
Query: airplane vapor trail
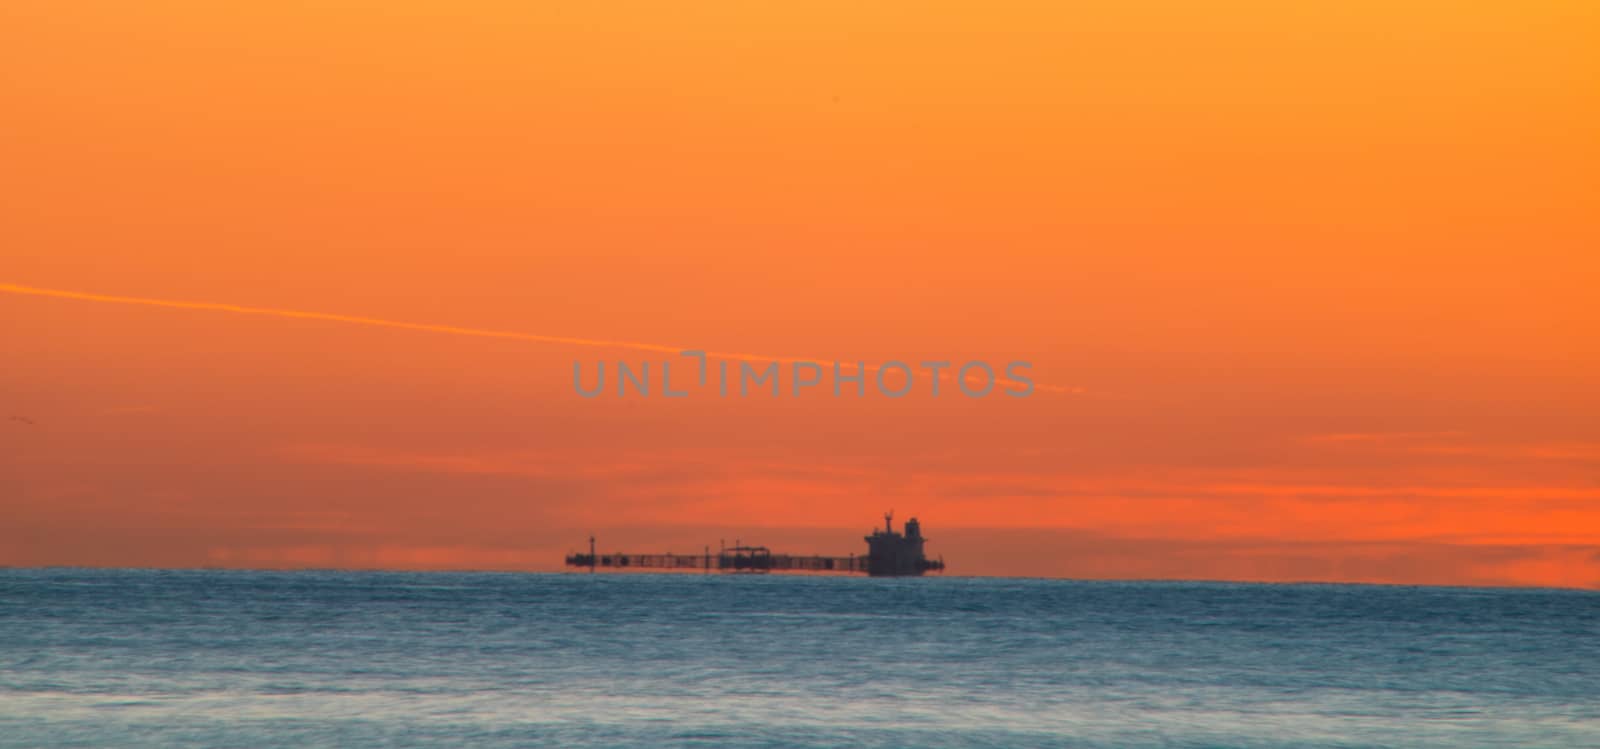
point(11, 288)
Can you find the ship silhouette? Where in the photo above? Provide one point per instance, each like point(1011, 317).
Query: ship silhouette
point(889, 554)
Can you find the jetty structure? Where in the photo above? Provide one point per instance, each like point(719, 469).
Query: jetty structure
point(889, 554)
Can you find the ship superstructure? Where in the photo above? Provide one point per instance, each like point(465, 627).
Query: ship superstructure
point(894, 554)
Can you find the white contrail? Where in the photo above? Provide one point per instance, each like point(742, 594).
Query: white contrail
point(11, 288)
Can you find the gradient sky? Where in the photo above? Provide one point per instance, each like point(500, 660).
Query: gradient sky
point(1316, 283)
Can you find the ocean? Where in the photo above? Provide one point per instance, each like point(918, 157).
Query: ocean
point(210, 658)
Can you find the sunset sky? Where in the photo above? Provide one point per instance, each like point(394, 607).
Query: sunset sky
point(1310, 289)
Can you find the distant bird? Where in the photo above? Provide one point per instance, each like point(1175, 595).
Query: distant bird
point(24, 420)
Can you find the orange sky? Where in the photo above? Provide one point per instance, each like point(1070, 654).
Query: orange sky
point(1312, 286)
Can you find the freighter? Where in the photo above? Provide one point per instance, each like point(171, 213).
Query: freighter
point(889, 554)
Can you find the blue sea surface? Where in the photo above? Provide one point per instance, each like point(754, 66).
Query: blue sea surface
point(114, 658)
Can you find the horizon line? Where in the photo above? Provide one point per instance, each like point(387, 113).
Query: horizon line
point(787, 573)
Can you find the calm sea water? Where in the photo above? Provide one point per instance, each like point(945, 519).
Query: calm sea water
point(254, 659)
